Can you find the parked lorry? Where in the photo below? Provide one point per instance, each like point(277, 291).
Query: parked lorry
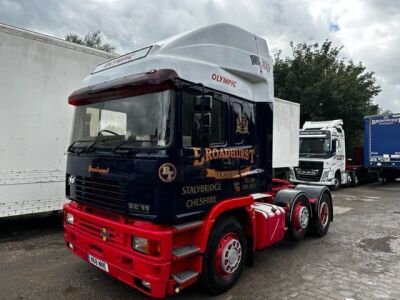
point(382, 145)
point(169, 171)
point(322, 155)
point(323, 158)
point(37, 74)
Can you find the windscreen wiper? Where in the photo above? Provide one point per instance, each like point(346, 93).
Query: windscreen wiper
point(129, 142)
point(95, 141)
point(71, 147)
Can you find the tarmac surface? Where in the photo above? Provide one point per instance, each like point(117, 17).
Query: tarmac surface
point(358, 259)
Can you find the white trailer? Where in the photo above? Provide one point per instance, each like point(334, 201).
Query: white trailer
point(38, 73)
point(285, 147)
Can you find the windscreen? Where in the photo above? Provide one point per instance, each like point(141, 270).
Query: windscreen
point(140, 122)
point(314, 146)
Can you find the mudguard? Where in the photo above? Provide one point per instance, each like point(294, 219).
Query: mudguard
point(286, 197)
point(316, 192)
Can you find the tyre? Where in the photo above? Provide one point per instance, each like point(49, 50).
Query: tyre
point(338, 181)
point(321, 221)
point(355, 180)
point(225, 256)
point(299, 220)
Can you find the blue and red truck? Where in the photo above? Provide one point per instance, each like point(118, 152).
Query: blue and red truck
point(382, 145)
point(169, 171)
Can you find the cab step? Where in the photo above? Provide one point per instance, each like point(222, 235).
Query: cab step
point(185, 251)
point(185, 276)
point(187, 226)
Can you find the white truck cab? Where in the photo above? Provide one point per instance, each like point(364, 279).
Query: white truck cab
point(322, 158)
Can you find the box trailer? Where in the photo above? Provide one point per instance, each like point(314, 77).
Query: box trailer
point(286, 124)
point(382, 145)
point(37, 75)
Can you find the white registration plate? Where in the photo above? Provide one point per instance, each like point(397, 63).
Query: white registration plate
point(98, 263)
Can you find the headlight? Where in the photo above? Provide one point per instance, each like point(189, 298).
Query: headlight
point(69, 218)
point(325, 175)
point(145, 246)
point(140, 244)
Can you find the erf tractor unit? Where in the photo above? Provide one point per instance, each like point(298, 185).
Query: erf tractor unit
point(382, 145)
point(169, 171)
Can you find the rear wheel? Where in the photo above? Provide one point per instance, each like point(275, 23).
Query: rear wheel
point(355, 180)
point(321, 222)
point(299, 219)
point(225, 256)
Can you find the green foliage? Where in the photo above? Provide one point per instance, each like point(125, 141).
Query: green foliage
point(327, 87)
point(93, 40)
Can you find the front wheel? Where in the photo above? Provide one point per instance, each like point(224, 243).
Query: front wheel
point(225, 256)
point(338, 181)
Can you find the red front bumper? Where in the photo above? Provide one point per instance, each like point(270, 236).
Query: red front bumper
point(131, 267)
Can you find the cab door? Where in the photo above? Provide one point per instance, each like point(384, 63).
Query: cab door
point(243, 137)
point(202, 181)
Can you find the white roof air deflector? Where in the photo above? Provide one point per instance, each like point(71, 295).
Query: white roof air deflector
point(221, 56)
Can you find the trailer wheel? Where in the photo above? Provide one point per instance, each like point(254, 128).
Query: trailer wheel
point(338, 181)
point(355, 180)
point(225, 256)
point(321, 222)
point(299, 218)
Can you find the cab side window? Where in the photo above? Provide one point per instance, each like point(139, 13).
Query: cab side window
point(218, 120)
point(237, 112)
point(187, 118)
point(242, 115)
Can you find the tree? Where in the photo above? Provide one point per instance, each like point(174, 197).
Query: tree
point(327, 87)
point(93, 40)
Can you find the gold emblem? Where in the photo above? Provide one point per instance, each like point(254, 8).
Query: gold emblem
point(167, 172)
point(104, 234)
point(242, 124)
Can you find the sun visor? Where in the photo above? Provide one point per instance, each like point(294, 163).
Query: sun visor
point(138, 84)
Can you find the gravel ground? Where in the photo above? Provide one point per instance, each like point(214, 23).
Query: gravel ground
point(358, 259)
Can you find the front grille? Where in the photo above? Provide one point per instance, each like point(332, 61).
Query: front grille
point(303, 164)
point(98, 231)
point(309, 170)
point(105, 194)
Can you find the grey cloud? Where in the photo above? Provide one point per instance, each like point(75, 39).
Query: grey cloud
point(129, 24)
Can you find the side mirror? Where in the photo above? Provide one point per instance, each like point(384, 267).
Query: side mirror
point(203, 103)
point(201, 130)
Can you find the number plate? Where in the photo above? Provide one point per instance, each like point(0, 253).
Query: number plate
point(98, 263)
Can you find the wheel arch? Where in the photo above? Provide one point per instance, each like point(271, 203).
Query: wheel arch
point(240, 208)
point(316, 192)
point(286, 197)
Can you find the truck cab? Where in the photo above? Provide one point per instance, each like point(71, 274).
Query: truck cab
point(169, 170)
point(322, 155)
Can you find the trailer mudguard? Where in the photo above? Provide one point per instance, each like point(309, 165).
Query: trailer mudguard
point(316, 192)
point(286, 197)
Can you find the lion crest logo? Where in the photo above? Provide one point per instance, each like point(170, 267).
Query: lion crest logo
point(242, 124)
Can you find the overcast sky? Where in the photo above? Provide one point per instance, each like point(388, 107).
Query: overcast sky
point(369, 30)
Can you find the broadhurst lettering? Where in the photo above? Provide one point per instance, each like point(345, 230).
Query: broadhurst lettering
point(211, 154)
